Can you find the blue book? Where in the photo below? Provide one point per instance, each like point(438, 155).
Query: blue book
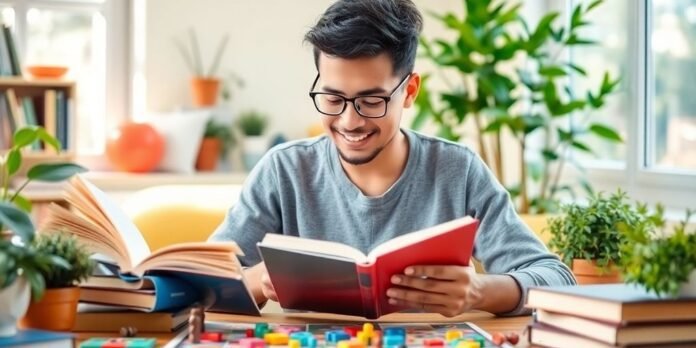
point(38, 339)
point(212, 269)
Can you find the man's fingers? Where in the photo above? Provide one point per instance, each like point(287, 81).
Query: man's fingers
point(458, 273)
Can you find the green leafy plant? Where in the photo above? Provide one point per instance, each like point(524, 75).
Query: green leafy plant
point(16, 256)
point(509, 79)
point(252, 123)
point(192, 55)
point(659, 260)
point(591, 232)
point(214, 129)
point(67, 247)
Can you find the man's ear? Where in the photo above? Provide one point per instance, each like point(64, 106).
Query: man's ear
point(412, 88)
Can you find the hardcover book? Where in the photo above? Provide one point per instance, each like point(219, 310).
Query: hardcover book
point(211, 268)
point(331, 277)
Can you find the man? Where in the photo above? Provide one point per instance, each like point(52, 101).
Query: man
point(368, 180)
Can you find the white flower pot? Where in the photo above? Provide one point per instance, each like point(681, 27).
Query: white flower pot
point(14, 301)
point(689, 288)
point(254, 148)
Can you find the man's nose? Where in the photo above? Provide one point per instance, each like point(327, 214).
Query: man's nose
point(350, 119)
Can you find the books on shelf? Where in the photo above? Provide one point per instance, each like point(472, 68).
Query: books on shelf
point(9, 58)
point(38, 338)
point(332, 277)
point(103, 318)
point(212, 269)
point(609, 315)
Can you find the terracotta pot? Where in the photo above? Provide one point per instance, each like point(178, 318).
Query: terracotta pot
point(55, 311)
point(204, 91)
point(587, 272)
point(208, 154)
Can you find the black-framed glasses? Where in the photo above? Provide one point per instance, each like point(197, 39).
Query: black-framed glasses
point(370, 106)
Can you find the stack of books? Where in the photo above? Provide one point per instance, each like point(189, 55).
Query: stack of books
point(609, 315)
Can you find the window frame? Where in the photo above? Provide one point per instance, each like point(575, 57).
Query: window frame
point(674, 188)
point(118, 35)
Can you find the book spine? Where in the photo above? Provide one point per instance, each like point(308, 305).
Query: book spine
point(172, 292)
point(368, 290)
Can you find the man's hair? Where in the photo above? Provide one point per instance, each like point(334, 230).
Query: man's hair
point(367, 28)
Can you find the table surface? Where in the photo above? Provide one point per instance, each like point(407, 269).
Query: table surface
point(484, 320)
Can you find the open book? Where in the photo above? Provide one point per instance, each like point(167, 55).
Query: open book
point(213, 268)
point(332, 277)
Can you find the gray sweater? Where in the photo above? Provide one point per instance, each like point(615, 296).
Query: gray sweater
point(299, 188)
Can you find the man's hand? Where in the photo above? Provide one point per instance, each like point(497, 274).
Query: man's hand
point(448, 290)
point(452, 290)
point(267, 287)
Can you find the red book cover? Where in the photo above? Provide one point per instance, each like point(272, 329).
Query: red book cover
point(331, 277)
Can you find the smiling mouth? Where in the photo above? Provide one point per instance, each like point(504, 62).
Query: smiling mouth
point(355, 138)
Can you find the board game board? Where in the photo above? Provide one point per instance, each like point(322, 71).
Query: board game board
point(218, 334)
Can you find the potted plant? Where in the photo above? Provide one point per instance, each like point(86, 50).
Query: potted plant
point(205, 85)
point(588, 239)
point(57, 308)
point(217, 141)
point(661, 259)
point(20, 265)
point(507, 83)
point(255, 144)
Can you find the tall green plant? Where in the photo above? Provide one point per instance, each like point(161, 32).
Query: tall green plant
point(504, 75)
point(67, 247)
point(16, 256)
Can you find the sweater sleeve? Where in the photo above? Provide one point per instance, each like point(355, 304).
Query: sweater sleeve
point(256, 213)
point(504, 244)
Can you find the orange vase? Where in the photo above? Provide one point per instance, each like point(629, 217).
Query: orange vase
point(208, 154)
point(587, 272)
point(204, 91)
point(55, 311)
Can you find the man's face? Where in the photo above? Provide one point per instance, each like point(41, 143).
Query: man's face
point(358, 139)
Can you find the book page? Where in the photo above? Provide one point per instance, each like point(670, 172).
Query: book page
point(137, 247)
point(417, 236)
point(313, 246)
point(214, 258)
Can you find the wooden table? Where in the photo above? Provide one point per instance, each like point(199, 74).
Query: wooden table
point(484, 320)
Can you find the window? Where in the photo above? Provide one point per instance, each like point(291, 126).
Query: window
point(87, 36)
point(652, 45)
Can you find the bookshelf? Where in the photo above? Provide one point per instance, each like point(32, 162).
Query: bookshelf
point(51, 106)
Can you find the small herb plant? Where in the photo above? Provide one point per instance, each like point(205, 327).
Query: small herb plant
point(214, 129)
point(591, 232)
point(656, 258)
point(252, 123)
point(67, 247)
point(17, 258)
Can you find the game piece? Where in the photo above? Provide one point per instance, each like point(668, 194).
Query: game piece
point(260, 330)
point(395, 331)
point(350, 344)
point(368, 328)
point(119, 343)
point(249, 332)
point(393, 340)
point(211, 336)
point(363, 337)
point(302, 337)
point(276, 338)
point(335, 336)
point(498, 338)
point(452, 335)
point(311, 342)
point(468, 344)
point(128, 331)
point(433, 342)
point(513, 338)
point(294, 344)
point(252, 342)
point(195, 325)
point(352, 330)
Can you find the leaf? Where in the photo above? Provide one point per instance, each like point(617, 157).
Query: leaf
point(446, 133)
point(509, 15)
point(16, 221)
point(577, 69)
point(575, 40)
point(605, 132)
point(563, 135)
point(14, 161)
point(552, 71)
point(576, 18)
point(24, 136)
point(23, 203)
point(549, 155)
point(48, 139)
point(580, 146)
point(542, 31)
point(535, 170)
point(571, 106)
point(36, 282)
point(593, 5)
point(54, 172)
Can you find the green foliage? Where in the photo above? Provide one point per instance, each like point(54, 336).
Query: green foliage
point(656, 259)
point(592, 232)
point(510, 76)
point(193, 58)
point(252, 123)
point(67, 247)
point(16, 257)
point(214, 129)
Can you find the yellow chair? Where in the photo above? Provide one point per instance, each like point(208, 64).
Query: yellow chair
point(171, 214)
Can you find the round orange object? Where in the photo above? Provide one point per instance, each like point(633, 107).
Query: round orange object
point(135, 147)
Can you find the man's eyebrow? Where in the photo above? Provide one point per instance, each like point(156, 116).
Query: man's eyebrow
point(371, 91)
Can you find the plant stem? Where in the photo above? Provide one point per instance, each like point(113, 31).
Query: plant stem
point(196, 52)
point(19, 190)
point(481, 140)
point(559, 170)
point(546, 172)
point(524, 200)
point(218, 55)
